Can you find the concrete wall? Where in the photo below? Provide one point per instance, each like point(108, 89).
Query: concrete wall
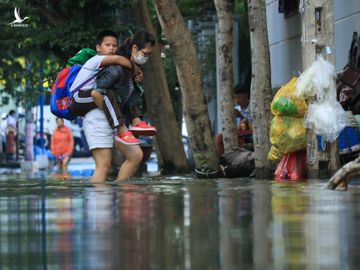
point(285, 44)
point(285, 38)
point(347, 20)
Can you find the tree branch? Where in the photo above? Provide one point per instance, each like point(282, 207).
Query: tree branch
point(343, 176)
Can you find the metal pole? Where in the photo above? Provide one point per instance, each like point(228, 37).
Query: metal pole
point(41, 103)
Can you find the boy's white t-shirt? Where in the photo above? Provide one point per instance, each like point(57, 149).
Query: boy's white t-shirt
point(245, 112)
point(88, 74)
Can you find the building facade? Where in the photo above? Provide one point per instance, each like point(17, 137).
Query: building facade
point(285, 38)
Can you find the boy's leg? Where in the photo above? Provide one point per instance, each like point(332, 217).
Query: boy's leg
point(112, 110)
point(136, 121)
point(116, 120)
point(133, 157)
point(98, 99)
point(138, 127)
point(102, 158)
point(86, 100)
point(82, 102)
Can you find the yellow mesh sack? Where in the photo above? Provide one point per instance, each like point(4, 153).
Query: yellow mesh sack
point(287, 134)
point(286, 103)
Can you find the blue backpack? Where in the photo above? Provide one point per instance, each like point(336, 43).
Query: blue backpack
point(60, 92)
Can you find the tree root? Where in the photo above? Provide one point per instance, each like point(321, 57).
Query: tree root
point(344, 175)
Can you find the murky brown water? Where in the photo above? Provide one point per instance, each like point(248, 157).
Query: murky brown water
point(177, 223)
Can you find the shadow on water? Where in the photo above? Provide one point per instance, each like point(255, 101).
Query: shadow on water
point(177, 223)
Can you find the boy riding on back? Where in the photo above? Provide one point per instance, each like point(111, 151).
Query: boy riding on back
point(87, 97)
point(121, 83)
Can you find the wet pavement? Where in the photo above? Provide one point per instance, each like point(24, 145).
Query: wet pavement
point(177, 223)
point(77, 167)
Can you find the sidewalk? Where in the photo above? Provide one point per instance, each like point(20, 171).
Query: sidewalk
point(81, 166)
point(10, 164)
point(76, 167)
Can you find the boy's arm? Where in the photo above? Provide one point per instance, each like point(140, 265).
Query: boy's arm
point(238, 114)
point(108, 77)
point(116, 60)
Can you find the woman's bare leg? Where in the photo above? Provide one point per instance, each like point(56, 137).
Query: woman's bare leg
point(102, 158)
point(133, 156)
point(65, 163)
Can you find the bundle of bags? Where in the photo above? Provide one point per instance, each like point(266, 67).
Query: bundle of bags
point(287, 131)
point(325, 116)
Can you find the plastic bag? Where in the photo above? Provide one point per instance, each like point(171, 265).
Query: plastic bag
point(292, 166)
point(327, 119)
point(317, 80)
point(81, 56)
point(287, 103)
point(287, 134)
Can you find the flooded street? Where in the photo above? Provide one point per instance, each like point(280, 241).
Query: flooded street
point(177, 223)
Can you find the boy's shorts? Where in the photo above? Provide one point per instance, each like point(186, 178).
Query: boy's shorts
point(97, 130)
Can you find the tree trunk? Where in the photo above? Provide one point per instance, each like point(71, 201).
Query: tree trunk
point(261, 93)
point(194, 103)
point(238, 163)
point(159, 106)
point(224, 9)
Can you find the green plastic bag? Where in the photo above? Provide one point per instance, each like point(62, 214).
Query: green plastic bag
point(285, 106)
point(285, 103)
point(81, 57)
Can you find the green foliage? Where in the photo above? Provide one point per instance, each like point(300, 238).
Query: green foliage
point(241, 11)
point(192, 9)
point(244, 35)
point(64, 26)
point(55, 31)
point(22, 78)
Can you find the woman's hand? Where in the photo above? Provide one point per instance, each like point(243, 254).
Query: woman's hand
point(136, 69)
point(139, 77)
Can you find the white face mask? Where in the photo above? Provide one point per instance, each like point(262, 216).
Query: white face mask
point(140, 60)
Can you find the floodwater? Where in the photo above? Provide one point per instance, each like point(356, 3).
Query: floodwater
point(177, 223)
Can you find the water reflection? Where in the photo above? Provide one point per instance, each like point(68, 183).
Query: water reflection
point(177, 223)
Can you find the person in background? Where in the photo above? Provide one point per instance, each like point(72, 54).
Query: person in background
point(62, 145)
point(242, 114)
point(11, 119)
point(242, 106)
point(10, 133)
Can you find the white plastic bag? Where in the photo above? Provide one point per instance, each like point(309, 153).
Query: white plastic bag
point(317, 80)
point(326, 118)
